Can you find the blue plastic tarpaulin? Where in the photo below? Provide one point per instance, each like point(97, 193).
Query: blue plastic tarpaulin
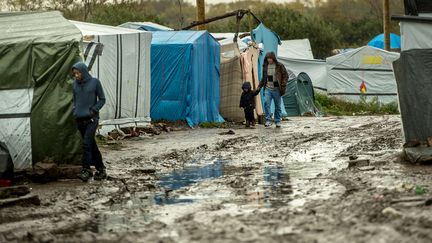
point(270, 41)
point(185, 77)
point(378, 41)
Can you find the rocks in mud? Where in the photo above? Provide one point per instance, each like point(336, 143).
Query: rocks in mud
point(44, 236)
point(230, 132)
point(69, 171)
point(44, 172)
point(358, 163)
point(389, 211)
point(146, 170)
point(367, 168)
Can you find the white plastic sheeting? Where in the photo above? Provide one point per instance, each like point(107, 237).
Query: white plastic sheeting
point(415, 35)
point(296, 49)
point(15, 132)
point(228, 38)
point(315, 69)
point(124, 70)
point(369, 65)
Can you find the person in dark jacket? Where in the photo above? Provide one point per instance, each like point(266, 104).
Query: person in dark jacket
point(247, 102)
point(274, 80)
point(88, 99)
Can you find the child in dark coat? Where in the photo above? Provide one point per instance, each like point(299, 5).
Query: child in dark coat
point(247, 102)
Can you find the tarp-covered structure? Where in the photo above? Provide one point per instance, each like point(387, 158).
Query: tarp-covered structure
point(300, 97)
point(185, 77)
point(296, 49)
point(314, 68)
point(413, 72)
point(124, 70)
point(38, 50)
point(236, 68)
point(147, 26)
point(378, 41)
point(363, 72)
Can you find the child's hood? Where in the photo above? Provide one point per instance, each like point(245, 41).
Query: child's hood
point(247, 85)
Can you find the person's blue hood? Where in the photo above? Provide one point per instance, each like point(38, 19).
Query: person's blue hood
point(83, 70)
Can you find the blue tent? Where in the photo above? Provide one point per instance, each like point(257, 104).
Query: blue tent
point(378, 41)
point(185, 77)
point(270, 41)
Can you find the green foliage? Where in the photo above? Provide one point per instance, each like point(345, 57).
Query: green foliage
point(334, 106)
point(329, 24)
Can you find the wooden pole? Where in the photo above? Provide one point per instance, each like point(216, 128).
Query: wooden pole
point(386, 18)
point(200, 13)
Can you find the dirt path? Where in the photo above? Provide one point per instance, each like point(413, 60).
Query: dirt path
point(273, 185)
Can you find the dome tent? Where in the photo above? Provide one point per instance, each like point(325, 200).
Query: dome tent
point(378, 41)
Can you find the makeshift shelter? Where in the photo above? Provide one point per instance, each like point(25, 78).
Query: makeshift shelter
point(235, 69)
point(124, 70)
point(363, 72)
point(185, 77)
point(37, 53)
point(413, 72)
point(300, 97)
point(147, 26)
point(225, 39)
point(378, 41)
point(296, 49)
point(315, 69)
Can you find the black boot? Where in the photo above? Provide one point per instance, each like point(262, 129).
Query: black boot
point(85, 174)
point(100, 175)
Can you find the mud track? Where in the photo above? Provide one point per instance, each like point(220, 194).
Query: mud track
point(263, 185)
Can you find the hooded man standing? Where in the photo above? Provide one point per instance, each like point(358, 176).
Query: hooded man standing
point(274, 80)
point(89, 98)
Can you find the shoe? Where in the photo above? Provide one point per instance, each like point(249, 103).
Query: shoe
point(247, 124)
point(267, 124)
point(85, 175)
point(278, 125)
point(100, 175)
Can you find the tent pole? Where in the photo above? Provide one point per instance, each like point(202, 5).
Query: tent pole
point(200, 13)
point(386, 17)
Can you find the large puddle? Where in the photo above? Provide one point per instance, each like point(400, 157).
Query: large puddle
point(181, 192)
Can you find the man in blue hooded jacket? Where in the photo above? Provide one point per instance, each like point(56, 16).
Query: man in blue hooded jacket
point(89, 98)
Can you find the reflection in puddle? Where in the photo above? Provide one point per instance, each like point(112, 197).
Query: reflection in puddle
point(190, 175)
point(258, 187)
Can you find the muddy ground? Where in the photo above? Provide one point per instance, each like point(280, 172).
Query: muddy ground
point(264, 185)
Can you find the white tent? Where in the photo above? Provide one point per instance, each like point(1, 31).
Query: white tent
point(124, 70)
point(366, 67)
point(228, 38)
point(296, 49)
point(315, 69)
point(149, 26)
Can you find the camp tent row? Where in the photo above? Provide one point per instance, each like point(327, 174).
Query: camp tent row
point(35, 84)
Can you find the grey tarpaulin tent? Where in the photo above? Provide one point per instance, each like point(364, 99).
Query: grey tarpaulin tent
point(413, 72)
point(300, 96)
point(124, 70)
point(38, 50)
point(367, 67)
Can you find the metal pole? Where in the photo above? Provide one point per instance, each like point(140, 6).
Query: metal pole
point(200, 13)
point(386, 10)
